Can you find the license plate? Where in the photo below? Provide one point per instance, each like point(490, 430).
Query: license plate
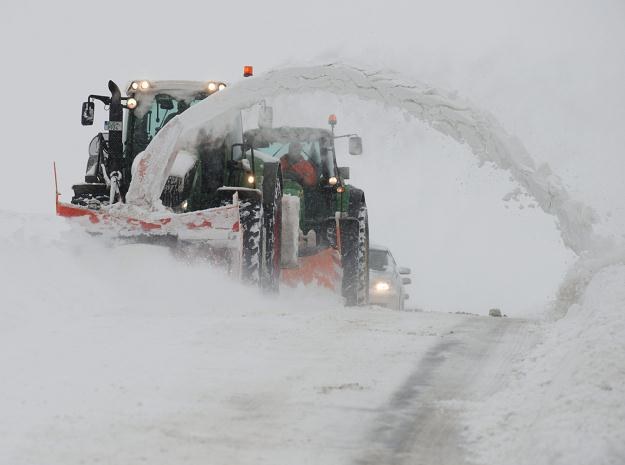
point(112, 125)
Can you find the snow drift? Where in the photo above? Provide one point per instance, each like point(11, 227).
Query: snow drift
point(564, 403)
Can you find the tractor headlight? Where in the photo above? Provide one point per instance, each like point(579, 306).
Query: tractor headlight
point(184, 205)
point(333, 180)
point(382, 286)
point(131, 104)
point(250, 179)
point(212, 87)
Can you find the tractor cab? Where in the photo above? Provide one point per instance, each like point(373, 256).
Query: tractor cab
point(153, 104)
point(150, 106)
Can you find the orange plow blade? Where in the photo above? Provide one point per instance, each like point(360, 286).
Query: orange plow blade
point(322, 269)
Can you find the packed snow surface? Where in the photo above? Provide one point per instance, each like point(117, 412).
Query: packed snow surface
point(121, 354)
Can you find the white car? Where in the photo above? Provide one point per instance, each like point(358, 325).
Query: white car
point(386, 279)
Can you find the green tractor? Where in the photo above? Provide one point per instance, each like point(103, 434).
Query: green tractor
point(225, 195)
point(324, 220)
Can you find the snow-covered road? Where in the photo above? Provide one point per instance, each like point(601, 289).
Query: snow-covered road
point(146, 359)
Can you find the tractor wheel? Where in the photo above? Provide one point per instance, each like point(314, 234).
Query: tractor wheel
point(251, 228)
point(272, 227)
point(355, 257)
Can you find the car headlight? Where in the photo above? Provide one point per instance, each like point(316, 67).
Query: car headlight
point(382, 286)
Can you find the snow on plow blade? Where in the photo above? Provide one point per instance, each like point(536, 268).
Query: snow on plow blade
point(218, 226)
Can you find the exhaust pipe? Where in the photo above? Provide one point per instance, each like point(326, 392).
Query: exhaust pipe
point(115, 126)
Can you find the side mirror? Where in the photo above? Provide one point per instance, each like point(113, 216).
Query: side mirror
point(355, 145)
point(88, 112)
point(344, 172)
point(406, 280)
point(265, 117)
point(404, 270)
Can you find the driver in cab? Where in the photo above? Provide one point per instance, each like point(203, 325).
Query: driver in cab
point(295, 166)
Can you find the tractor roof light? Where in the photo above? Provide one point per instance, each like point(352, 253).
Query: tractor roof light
point(144, 85)
point(134, 85)
point(212, 87)
point(131, 103)
point(248, 71)
point(221, 86)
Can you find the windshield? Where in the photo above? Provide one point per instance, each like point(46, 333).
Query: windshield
point(312, 145)
point(308, 149)
point(145, 125)
point(378, 260)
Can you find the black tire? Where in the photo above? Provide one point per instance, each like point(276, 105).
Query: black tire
point(272, 227)
point(251, 226)
point(355, 256)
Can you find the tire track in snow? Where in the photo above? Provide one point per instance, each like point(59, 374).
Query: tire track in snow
point(471, 362)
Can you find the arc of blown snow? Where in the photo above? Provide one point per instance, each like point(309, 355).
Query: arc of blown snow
point(443, 112)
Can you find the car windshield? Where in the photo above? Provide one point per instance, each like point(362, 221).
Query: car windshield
point(378, 260)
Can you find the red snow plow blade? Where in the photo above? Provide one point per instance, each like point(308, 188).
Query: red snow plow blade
point(215, 224)
point(218, 226)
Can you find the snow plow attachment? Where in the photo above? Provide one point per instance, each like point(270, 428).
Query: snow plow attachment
point(229, 234)
point(220, 225)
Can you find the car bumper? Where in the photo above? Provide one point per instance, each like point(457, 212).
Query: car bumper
point(388, 299)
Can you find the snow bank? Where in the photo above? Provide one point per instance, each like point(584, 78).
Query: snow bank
point(564, 405)
point(581, 274)
point(444, 112)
